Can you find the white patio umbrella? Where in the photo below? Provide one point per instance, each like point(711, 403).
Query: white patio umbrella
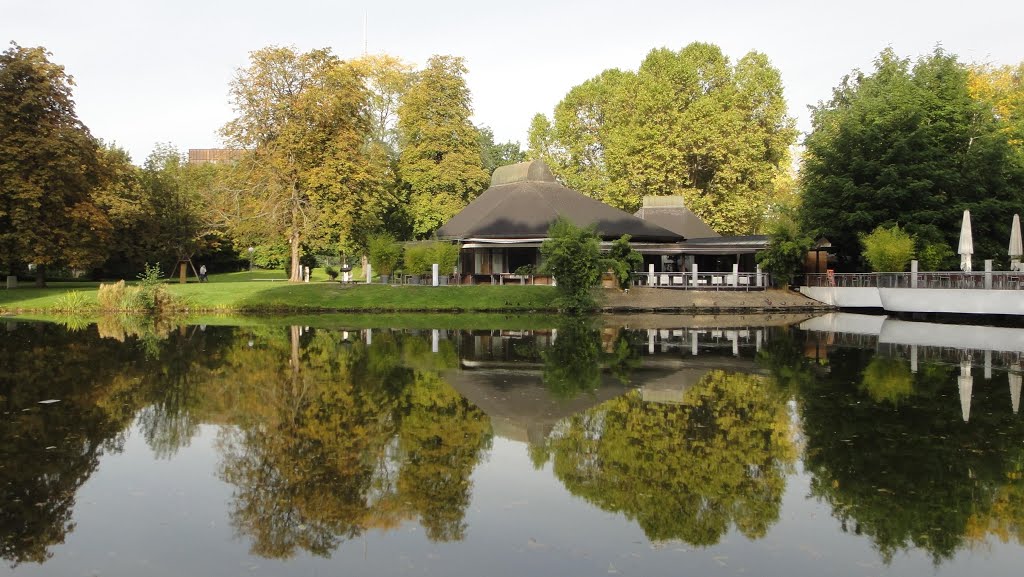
point(966, 383)
point(1016, 247)
point(966, 243)
point(1015, 382)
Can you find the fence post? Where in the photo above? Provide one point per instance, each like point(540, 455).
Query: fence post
point(369, 273)
point(434, 271)
point(988, 273)
point(913, 274)
point(735, 274)
point(694, 275)
point(760, 279)
point(650, 275)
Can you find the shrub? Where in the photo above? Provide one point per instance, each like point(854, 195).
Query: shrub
point(331, 272)
point(787, 249)
point(72, 302)
point(573, 256)
point(385, 252)
point(421, 256)
point(622, 260)
point(120, 297)
point(936, 256)
point(888, 249)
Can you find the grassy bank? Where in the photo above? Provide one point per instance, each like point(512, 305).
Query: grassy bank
point(236, 294)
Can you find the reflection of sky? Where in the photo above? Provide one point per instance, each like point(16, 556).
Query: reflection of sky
point(140, 516)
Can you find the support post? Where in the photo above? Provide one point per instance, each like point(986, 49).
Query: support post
point(913, 274)
point(650, 275)
point(694, 275)
point(369, 273)
point(182, 273)
point(760, 277)
point(988, 273)
point(434, 272)
point(735, 274)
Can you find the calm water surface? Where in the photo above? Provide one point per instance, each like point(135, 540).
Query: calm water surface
point(841, 445)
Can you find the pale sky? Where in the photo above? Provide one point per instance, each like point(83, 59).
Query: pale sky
point(149, 72)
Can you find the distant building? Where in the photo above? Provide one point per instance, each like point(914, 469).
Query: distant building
point(213, 155)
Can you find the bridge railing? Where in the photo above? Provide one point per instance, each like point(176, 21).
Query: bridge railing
point(996, 280)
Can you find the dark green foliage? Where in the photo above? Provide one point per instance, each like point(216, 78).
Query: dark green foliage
point(622, 260)
point(786, 251)
point(572, 364)
point(573, 256)
point(908, 144)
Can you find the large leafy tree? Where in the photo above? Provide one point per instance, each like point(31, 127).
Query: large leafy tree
point(908, 144)
point(687, 123)
point(306, 176)
point(49, 169)
point(441, 158)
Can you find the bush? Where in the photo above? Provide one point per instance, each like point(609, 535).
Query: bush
point(936, 256)
point(120, 297)
point(331, 272)
point(573, 256)
point(72, 302)
point(888, 249)
point(385, 253)
point(421, 256)
point(622, 260)
point(787, 249)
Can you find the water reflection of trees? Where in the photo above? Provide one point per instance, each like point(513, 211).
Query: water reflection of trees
point(889, 452)
point(684, 471)
point(347, 439)
point(577, 356)
point(47, 451)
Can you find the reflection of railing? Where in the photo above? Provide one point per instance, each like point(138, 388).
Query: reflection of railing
point(701, 280)
point(997, 280)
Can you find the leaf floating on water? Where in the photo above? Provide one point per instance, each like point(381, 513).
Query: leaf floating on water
point(49, 401)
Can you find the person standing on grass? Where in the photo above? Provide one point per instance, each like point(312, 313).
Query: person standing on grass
point(202, 273)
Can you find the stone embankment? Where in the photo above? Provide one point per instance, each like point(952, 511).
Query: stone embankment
point(639, 299)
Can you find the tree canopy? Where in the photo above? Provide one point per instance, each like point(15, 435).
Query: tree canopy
point(908, 143)
point(687, 123)
point(441, 158)
point(306, 175)
point(49, 169)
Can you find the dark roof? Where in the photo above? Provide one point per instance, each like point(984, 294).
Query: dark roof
point(725, 244)
point(670, 212)
point(524, 199)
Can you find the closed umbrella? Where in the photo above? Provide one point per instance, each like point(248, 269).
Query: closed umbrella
point(966, 243)
point(966, 383)
point(1016, 248)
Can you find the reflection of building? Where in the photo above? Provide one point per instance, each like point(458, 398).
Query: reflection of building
point(213, 155)
point(502, 372)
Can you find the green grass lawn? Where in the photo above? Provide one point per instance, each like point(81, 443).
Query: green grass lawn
point(239, 293)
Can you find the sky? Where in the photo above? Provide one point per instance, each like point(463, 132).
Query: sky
point(150, 72)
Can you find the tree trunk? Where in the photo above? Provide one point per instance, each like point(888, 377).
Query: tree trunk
point(40, 276)
point(296, 275)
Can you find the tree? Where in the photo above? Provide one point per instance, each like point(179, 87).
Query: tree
point(908, 143)
point(493, 155)
point(306, 175)
point(888, 249)
point(622, 260)
point(687, 123)
point(385, 252)
point(573, 256)
point(440, 158)
point(787, 249)
point(49, 169)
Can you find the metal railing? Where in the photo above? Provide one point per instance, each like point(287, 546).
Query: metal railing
point(996, 280)
point(704, 280)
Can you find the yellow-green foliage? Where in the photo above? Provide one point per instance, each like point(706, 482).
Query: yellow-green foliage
point(120, 297)
point(419, 257)
point(888, 249)
point(71, 302)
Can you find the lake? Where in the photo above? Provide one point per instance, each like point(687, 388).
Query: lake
point(657, 445)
